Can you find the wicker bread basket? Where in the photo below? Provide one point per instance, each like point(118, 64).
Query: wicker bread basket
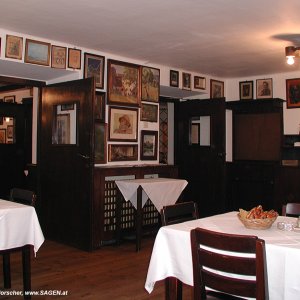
point(257, 223)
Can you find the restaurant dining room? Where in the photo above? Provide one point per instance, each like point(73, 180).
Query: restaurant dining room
point(149, 150)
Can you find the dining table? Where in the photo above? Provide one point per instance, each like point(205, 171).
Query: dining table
point(20, 230)
point(160, 191)
point(172, 258)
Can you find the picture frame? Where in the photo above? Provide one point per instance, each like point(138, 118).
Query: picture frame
point(149, 145)
point(100, 143)
point(195, 134)
point(63, 129)
point(67, 106)
point(124, 83)
point(10, 132)
point(123, 124)
point(10, 99)
point(293, 93)
point(14, 47)
point(2, 136)
point(100, 106)
point(264, 88)
point(94, 67)
point(174, 78)
point(37, 52)
point(150, 84)
point(58, 57)
point(199, 83)
point(122, 152)
point(246, 90)
point(216, 89)
point(74, 58)
point(149, 112)
point(186, 81)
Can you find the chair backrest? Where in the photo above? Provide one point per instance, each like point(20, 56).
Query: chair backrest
point(179, 212)
point(22, 196)
point(203, 257)
point(291, 209)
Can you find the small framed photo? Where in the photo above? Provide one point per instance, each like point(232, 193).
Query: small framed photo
point(150, 84)
point(74, 58)
point(94, 67)
point(2, 136)
point(149, 145)
point(100, 142)
point(216, 89)
point(123, 86)
point(199, 83)
point(174, 78)
point(37, 52)
point(100, 106)
point(149, 112)
point(264, 88)
point(14, 47)
point(123, 124)
point(124, 152)
point(186, 81)
point(58, 57)
point(293, 93)
point(10, 132)
point(10, 99)
point(246, 90)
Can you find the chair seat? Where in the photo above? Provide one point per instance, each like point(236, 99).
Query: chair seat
point(211, 295)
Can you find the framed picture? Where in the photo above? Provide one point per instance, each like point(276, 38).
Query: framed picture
point(186, 81)
point(63, 128)
point(216, 89)
point(122, 152)
point(2, 136)
point(123, 124)
point(100, 106)
point(148, 145)
point(67, 106)
point(174, 78)
point(14, 47)
point(10, 131)
point(150, 84)
point(123, 83)
point(149, 112)
point(293, 93)
point(246, 90)
point(195, 134)
point(94, 67)
point(74, 58)
point(58, 57)
point(264, 88)
point(10, 99)
point(199, 83)
point(37, 52)
point(100, 142)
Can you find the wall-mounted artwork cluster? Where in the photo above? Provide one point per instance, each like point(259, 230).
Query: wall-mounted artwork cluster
point(264, 89)
point(199, 82)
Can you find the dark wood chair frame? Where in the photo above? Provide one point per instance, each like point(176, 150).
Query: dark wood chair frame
point(291, 209)
point(204, 257)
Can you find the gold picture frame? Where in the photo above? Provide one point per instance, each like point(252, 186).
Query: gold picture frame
point(150, 84)
point(14, 47)
point(123, 152)
point(37, 52)
point(58, 57)
point(74, 58)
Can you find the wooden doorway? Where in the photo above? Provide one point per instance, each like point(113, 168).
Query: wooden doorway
point(200, 152)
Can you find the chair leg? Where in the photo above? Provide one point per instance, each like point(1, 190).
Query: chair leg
point(6, 270)
point(26, 270)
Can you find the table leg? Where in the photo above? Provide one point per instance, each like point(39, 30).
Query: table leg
point(139, 218)
point(6, 270)
point(173, 289)
point(26, 270)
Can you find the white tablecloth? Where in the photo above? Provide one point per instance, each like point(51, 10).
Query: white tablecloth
point(161, 191)
point(19, 226)
point(172, 256)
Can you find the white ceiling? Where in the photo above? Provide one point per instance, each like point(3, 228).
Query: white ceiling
point(221, 38)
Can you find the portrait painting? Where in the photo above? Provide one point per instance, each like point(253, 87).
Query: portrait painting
point(150, 84)
point(264, 88)
point(216, 89)
point(246, 90)
point(94, 67)
point(293, 93)
point(186, 81)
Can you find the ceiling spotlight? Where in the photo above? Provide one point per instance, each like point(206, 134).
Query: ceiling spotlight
point(291, 52)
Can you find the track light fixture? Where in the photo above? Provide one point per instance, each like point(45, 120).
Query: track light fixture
point(291, 52)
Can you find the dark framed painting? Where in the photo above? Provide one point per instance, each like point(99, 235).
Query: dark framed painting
point(199, 83)
point(100, 142)
point(216, 89)
point(123, 124)
point(149, 145)
point(2, 136)
point(37, 52)
point(150, 84)
point(100, 106)
point(123, 85)
point(186, 81)
point(246, 90)
point(10, 131)
point(123, 152)
point(74, 58)
point(174, 78)
point(10, 99)
point(149, 112)
point(293, 93)
point(264, 88)
point(58, 57)
point(14, 47)
point(94, 67)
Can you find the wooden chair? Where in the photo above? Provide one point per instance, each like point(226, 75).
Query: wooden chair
point(173, 214)
point(226, 286)
point(24, 197)
point(291, 209)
